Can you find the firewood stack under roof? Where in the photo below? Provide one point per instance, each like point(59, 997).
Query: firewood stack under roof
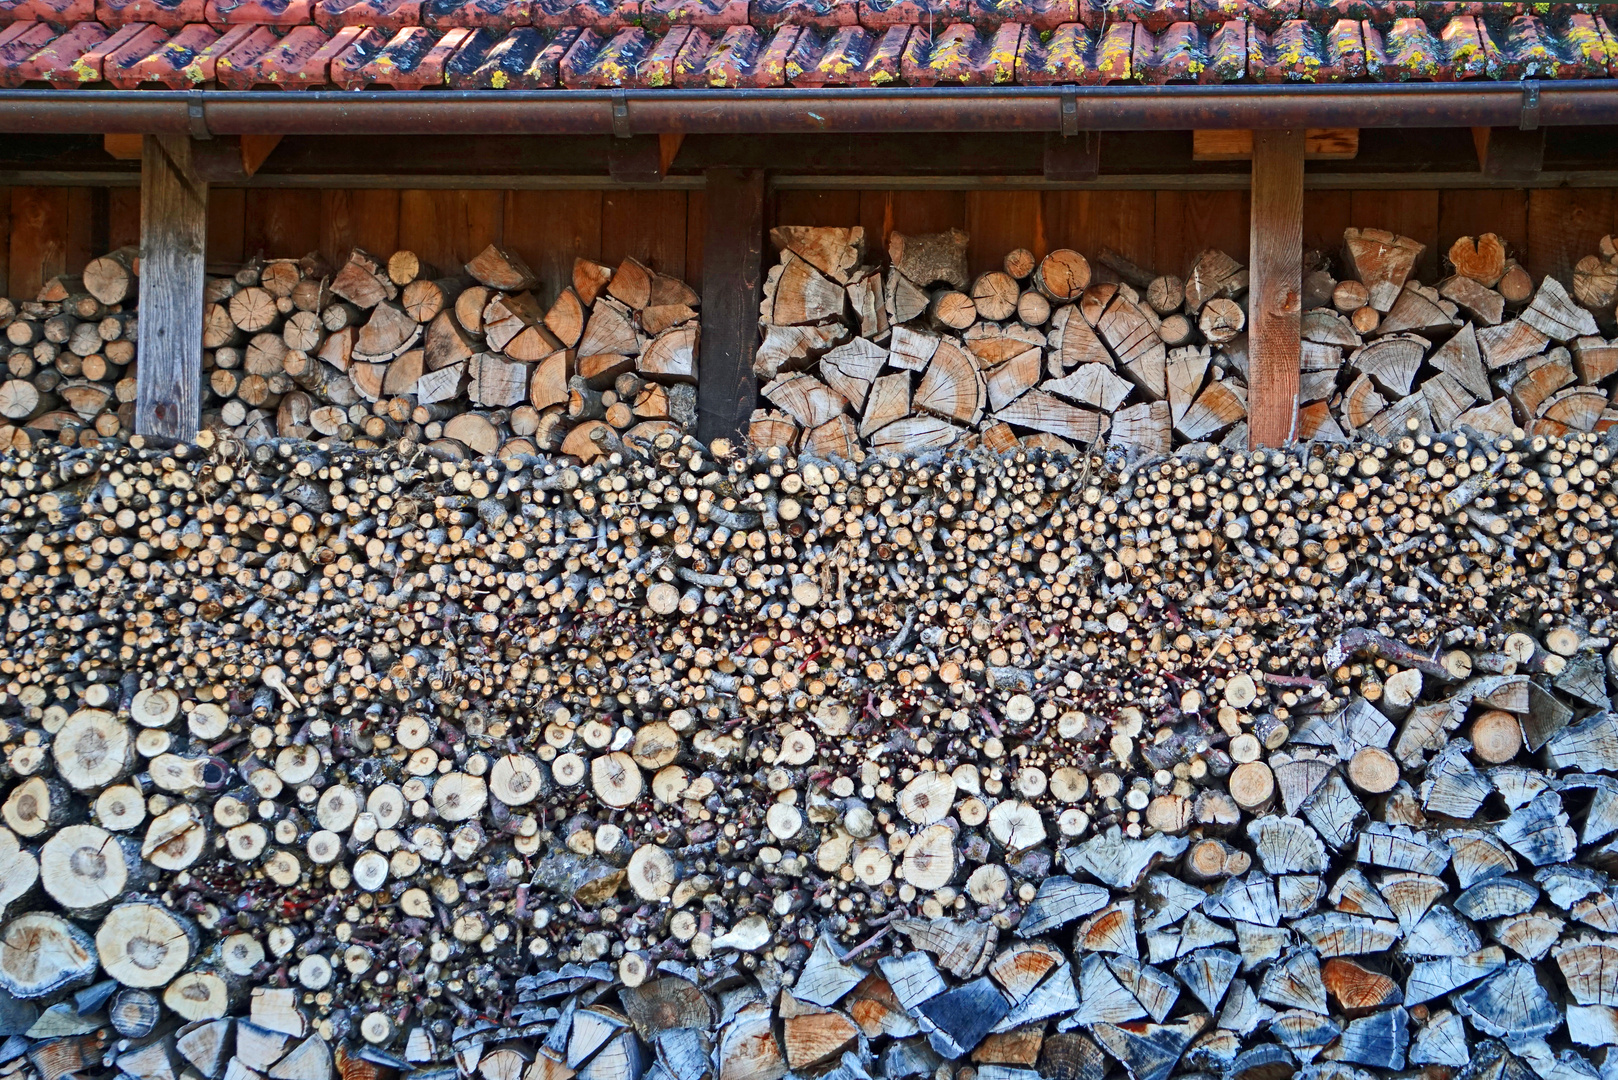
point(691, 762)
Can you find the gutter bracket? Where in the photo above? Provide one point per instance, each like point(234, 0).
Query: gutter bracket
point(195, 116)
point(1530, 105)
point(620, 115)
point(1070, 114)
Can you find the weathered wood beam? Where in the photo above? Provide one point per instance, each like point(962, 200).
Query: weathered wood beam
point(1509, 154)
point(1276, 287)
point(173, 245)
point(1319, 144)
point(732, 280)
point(1072, 158)
point(636, 160)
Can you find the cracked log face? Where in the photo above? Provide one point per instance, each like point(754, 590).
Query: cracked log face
point(695, 763)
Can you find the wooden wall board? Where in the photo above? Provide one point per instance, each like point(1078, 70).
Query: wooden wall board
point(885, 212)
point(39, 237)
point(280, 223)
point(1564, 225)
point(358, 217)
point(1186, 223)
point(647, 224)
point(1088, 220)
point(227, 224)
point(550, 229)
point(837, 207)
point(696, 226)
point(123, 218)
point(1001, 221)
point(448, 227)
point(5, 242)
point(1325, 215)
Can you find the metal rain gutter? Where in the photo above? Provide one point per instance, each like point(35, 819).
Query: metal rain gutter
point(1067, 109)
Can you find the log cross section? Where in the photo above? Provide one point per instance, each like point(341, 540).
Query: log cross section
point(1276, 286)
point(173, 242)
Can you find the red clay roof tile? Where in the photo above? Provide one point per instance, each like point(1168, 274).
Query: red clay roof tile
point(57, 63)
point(222, 13)
point(475, 44)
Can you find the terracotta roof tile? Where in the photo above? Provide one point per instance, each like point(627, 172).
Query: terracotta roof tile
point(510, 44)
point(525, 59)
point(660, 16)
point(1040, 15)
point(597, 61)
point(60, 12)
point(169, 14)
point(58, 62)
point(603, 16)
point(933, 14)
point(1074, 53)
point(412, 59)
point(1299, 51)
point(235, 69)
point(347, 53)
point(820, 14)
point(729, 63)
point(388, 16)
point(498, 15)
point(961, 55)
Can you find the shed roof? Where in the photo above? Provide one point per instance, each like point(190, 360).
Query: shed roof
point(701, 44)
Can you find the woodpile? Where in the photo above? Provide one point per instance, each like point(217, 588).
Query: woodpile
point(1482, 348)
point(1048, 352)
point(468, 361)
point(70, 357)
point(692, 762)
point(1062, 353)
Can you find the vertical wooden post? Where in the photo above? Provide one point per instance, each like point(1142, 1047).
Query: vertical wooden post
point(173, 243)
point(732, 280)
point(1275, 288)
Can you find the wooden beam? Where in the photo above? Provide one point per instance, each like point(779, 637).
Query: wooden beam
point(732, 280)
point(123, 147)
point(1509, 154)
point(1072, 158)
point(1319, 144)
point(636, 160)
point(173, 245)
point(231, 159)
point(1275, 289)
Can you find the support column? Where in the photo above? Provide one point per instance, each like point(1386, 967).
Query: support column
point(1275, 289)
point(173, 242)
point(732, 286)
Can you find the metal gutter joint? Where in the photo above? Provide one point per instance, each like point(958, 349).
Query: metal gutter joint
point(1530, 105)
point(195, 116)
point(1070, 114)
point(620, 115)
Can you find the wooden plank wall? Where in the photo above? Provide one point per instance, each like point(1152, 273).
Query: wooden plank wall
point(1164, 230)
point(48, 231)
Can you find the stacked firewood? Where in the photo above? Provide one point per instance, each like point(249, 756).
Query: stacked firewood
point(1483, 348)
point(471, 363)
point(1042, 353)
point(697, 763)
point(70, 356)
point(1058, 354)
